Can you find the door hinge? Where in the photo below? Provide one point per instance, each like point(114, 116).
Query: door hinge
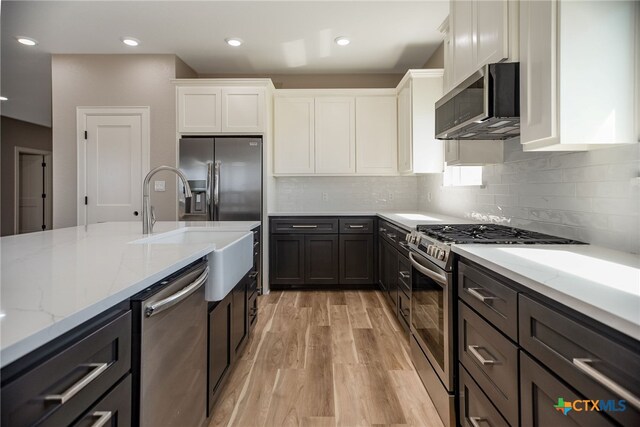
point(44, 165)
point(86, 200)
point(85, 135)
point(44, 196)
point(44, 227)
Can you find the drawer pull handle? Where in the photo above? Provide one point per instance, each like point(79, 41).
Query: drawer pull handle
point(253, 275)
point(599, 377)
point(405, 275)
point(475, 421)
point(382, 229)
point(484, 298)
point(103, 418)
point(392, 236)
point(255, 244)
point(304, 226)
point(473, 349)
point(403, 244)
point(356, 226)
point(96, 370)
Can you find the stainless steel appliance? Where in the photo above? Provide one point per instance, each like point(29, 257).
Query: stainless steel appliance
point(225, 176)
point(433, 295)
point(485, 106)
point(170, 350)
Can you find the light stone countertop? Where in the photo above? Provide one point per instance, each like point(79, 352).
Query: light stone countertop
point(53, 281)
point(601, 283)
point(409, 219)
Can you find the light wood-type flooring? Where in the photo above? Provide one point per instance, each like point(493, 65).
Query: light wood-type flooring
point(325, 358)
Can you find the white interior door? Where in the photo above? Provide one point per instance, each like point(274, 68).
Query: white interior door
point(114, 167)
point(31, 188)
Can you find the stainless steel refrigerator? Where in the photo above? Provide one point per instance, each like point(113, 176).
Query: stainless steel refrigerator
point(225, 176)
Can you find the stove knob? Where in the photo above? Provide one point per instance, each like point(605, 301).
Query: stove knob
point(442, 255)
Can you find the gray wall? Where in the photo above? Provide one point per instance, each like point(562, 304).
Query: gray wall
point(588, 196)
point(346, 194)
point(22, 134)
point(112, 80)
point(437, 59)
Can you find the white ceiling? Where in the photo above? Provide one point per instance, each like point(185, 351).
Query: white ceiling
point(280, 37)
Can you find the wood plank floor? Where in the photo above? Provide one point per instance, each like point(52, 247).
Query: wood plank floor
point(325, 358)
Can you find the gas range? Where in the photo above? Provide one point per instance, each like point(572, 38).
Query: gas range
point(434, 241)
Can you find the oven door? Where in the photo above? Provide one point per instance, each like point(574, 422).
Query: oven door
point(431, 315)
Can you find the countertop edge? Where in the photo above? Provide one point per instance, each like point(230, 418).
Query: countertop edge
point(607, 318)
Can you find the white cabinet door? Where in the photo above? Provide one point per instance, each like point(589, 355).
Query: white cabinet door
point(404, 130)
point(447, 78)
point(462, 26)
point(490, 41)
point(538, 73)
point(199, 109)
point(294, 144)
point(335, 140)
point(376, 135)
point(243, 110)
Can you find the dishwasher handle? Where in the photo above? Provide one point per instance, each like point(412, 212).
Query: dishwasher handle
point(170, 301)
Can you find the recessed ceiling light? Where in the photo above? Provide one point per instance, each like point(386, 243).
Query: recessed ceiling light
point(342, 41)
point(130, 41)
point(26, 41)
point(235, 42)
point(3, 98)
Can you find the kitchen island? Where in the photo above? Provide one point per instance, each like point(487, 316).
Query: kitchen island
point(55, 280)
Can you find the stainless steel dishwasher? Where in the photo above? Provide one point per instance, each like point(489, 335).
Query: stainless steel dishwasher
point(170, 350)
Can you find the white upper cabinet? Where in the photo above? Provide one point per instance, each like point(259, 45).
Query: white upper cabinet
point(199, 109)
point(335, 135)
point(577, 82)
point(243, 109)
point(481, 32)
point(209, 106)
point(376, 127)
point(418, 149)
point(335, 132)
point(294, 139)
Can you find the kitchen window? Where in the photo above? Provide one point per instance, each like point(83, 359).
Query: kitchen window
point(461, 176)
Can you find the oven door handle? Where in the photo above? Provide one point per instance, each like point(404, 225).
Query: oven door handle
point(427, 271)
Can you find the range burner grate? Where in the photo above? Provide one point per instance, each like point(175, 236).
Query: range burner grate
point(489, 233)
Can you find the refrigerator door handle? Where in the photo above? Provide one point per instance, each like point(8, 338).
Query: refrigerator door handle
point(210, 181)
point(216, 190)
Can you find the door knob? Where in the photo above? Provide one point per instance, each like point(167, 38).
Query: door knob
point(135, 213)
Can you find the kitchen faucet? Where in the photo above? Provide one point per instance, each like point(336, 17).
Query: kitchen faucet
point(148, 219)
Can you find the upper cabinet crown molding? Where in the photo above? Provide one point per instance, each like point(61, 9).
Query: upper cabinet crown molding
point(226, 82)
point(566, 102)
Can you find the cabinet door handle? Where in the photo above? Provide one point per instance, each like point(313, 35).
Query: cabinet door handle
point(96, 370)
point(103, 418)
point(405, 275)
point(583, 365)
point(474, 293)
point(304, 226)
point(475, 421)
point(355, 226)
point(473, 349)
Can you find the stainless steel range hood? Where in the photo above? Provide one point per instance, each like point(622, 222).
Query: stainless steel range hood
point(486, 106)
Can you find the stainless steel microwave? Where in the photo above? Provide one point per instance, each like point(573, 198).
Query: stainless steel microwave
point(485, 106)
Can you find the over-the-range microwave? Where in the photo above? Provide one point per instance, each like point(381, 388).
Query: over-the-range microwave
point(485, 106)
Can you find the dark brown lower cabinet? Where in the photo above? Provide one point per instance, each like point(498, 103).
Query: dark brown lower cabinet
point(321, 259)
point(286, 259)
point(475, 408)
point(239, 321)
point(113, 410)
point(542, 392)
point(391, 273)
point(356, 259)
point(220, 351)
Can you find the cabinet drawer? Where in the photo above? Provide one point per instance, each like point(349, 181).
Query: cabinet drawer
point(541, 393)
point(61, 389)
point(114, 410)
point(356, 225)
point(494, 300)
point(475, 407)
point(491, 359)
point(404, 309)
point(591, 363)
point(304, 225)
point(404, 274)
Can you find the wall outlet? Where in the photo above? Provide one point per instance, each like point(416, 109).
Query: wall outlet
point(325, 196)
point(390, 196)
point(158, 185)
